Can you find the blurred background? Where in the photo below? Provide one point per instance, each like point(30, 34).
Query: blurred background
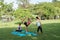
point(14, 9)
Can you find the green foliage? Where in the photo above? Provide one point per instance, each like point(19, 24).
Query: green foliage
point(54, 0)
point(21, 12)
point(47, 9)
point(24, 4)
point(6, 9)
point(1, 0)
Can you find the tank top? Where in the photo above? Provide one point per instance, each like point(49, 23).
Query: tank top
point(38, 23)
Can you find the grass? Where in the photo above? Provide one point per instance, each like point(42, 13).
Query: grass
point(51, 31)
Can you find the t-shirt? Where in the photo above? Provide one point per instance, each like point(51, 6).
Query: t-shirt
point(38, 23)
point(28, 22)
point(19, 28)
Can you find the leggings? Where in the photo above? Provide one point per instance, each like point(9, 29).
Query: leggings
point(39, 28)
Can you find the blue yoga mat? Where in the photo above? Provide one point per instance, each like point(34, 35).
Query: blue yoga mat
point(23, 33)
point(19, 34)
point(28, 33)
point(15, 33)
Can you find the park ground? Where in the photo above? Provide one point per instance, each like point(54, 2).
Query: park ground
point(51, 31)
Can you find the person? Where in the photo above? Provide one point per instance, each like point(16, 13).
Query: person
point(27, 24)
point(19, 29)
point(38, 23)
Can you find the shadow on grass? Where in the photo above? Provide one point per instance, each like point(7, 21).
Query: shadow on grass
point(50, 32)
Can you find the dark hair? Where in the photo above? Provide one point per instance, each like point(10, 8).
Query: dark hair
point(37, 17)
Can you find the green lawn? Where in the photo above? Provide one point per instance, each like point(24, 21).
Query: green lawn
point(51, 31)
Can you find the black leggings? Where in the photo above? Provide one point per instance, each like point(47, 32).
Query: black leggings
point(39, 28)
point(18, 30)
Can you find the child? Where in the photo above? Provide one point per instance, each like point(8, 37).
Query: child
point(19, 28)
point(27, 24)
point(38, 23)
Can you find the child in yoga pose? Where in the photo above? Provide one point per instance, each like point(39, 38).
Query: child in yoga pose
point(26, 23)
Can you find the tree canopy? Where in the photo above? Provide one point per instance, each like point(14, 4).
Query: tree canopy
point(43, 9)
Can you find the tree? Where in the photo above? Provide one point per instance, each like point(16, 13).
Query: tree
point(54, 0)
point(1, 8)
point(23, 3)
point(1, 0)
point(56, 4)
point(47, 10)
point(6, 9)
point(21, 13)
